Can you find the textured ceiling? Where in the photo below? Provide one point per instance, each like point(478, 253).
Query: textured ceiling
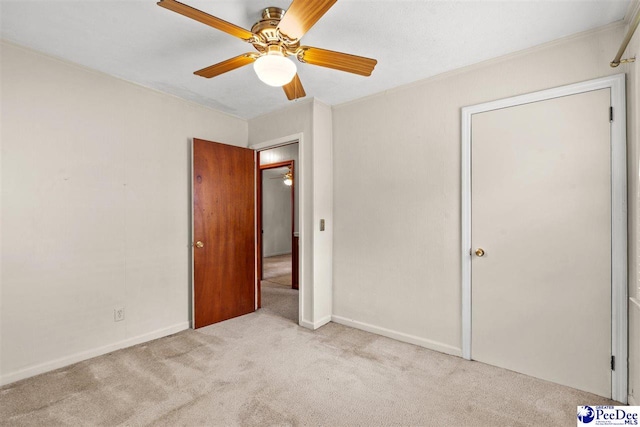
point(149, 45)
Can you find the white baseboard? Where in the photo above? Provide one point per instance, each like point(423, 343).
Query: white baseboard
point(399, 336)
point(319, 323)
point(88, 354)
point(315, 325)
point(306, 324)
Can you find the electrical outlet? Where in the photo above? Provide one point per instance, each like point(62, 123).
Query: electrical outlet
point(118, 314)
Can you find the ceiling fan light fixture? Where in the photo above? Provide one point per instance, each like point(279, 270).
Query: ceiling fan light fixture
point(275, 69)
point(288, 179)
point(275, 37)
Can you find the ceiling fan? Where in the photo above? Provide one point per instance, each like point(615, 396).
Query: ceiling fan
point(276, 37)
point(286, 178)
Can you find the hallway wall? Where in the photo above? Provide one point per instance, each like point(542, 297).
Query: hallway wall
point(276, 217)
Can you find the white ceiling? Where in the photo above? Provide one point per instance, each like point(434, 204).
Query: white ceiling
point(138, 41)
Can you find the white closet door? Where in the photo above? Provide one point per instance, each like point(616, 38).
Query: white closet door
point(541, 211)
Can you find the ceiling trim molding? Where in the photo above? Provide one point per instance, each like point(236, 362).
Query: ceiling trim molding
point(488, 62)
point(9, 43)
point(632, 10)
point(322, 103)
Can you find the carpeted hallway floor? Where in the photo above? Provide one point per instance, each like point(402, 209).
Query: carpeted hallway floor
point(277, 270)
point(262, 369)
point(277, 296)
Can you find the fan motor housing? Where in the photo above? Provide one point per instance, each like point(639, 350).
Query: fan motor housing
point(267, 35)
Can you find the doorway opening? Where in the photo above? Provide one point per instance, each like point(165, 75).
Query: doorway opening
point(277, 235)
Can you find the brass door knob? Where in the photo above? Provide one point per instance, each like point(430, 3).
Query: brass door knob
point(199, 244)
point(480, 252)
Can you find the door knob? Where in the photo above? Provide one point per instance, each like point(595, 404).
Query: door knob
point(480, 252)
point(199, 244)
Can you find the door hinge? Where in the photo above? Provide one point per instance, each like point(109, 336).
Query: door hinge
point(613, 363)
point(610, 114)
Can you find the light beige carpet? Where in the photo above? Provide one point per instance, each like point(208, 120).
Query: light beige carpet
point(284, 281)
point(277, 271)
point(277, 296)
point(276, 266)
point(262, 369)
point(280, 301)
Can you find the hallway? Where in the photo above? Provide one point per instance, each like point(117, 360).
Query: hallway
point(277, 296)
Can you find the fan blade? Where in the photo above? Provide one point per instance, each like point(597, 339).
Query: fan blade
point(302, 15)
point(224, 66)
point(205, 18)
point(337, 60)
point(294, 89)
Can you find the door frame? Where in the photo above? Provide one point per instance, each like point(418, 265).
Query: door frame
point(619, 267)
point(279, 142)
point(259, 248)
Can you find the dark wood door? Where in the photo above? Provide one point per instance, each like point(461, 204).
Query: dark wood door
point(224, 232)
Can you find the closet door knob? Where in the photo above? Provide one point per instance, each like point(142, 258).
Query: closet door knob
point(480, 252)
point(199, 244)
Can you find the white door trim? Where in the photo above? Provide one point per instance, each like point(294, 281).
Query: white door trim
point(192, 307)
point(618, 214)
point(300, 176)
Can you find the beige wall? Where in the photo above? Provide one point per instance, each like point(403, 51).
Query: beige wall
point(296, 119)
point(95, 210)
point(276, 214)
point(397, 187)
point(322, 211)
point(312, 120)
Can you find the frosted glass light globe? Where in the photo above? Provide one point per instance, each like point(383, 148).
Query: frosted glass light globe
point(274, 70)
